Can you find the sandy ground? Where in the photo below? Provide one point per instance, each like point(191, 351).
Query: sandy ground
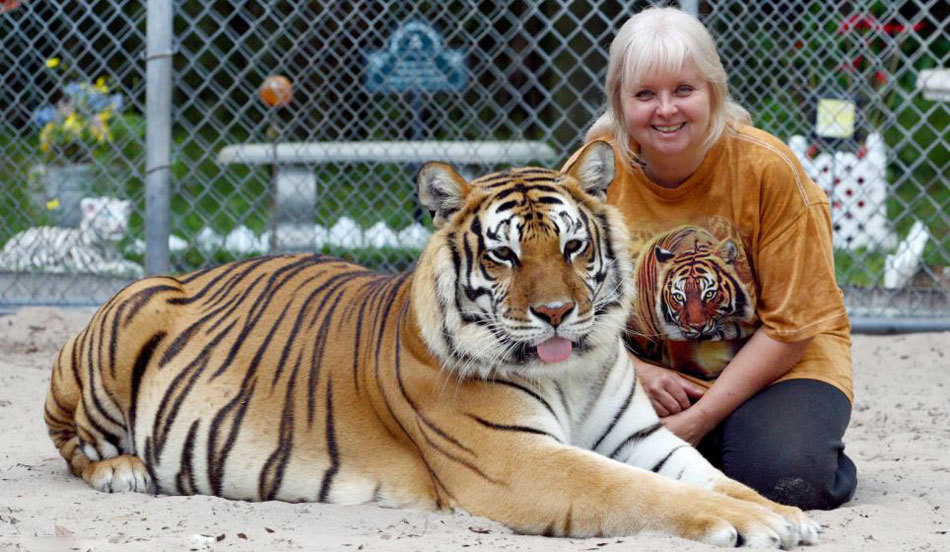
point(899, 437)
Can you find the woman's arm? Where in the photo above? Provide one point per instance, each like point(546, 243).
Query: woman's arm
point(761, 361)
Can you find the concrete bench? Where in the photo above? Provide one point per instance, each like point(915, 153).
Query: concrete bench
point(295, 184)
point(935, 84)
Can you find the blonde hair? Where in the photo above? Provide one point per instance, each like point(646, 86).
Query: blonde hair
point(663, 41)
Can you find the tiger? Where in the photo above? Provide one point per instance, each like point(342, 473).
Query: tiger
point(693, 286)
point(93, 247)
point(489, 379)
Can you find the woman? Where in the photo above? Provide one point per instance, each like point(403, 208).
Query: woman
point(740, 334)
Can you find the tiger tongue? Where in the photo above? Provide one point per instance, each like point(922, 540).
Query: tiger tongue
point(555, 349)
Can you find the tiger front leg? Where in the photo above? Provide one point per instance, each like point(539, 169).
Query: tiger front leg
point(535, 485)
point(639, 439)
point(666, 454)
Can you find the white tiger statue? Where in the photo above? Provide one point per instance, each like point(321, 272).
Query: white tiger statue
point(93, 248)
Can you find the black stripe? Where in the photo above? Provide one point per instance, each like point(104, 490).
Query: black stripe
point(185, 479)
point(141, 298)
point(528, 392)
point(177, 392)
point(231, 304)
point(507, 205)
point(218, 458)
point(419, 414)
point(95, 425)
point(95, 343)
point(114, 337)
point(639, 435)
point(250, 264)
point(74, 361)
point(564, 403)
point(365, 301)
point(257, 310)
point(457, 459)
point(659, 465)
point(237, 279)
point(541, 177)
point(438, 484)
point(507, 427)
point(331, 448)
point(316, 359)
point(272, 474)
point(618, 414)
point(138, 370)
point(62, 408)
point(290, 343)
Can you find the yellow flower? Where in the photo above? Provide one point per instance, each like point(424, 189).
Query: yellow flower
point(52, 204)
point(46, 136)
point(52, 62)
point(72, 123)
point(101, 86)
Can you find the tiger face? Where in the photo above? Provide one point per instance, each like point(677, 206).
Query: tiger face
point(701, 297)
point(533, 274)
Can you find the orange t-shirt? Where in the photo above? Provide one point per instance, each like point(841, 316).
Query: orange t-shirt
point(744, 242)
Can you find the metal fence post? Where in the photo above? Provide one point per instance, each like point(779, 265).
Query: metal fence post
point(158, 91)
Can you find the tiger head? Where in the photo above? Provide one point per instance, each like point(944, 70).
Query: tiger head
point(703, 295)
point(529, 271)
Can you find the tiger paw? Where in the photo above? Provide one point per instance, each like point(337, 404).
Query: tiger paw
point(808, 529)
point(120, 474)
point(731, 522)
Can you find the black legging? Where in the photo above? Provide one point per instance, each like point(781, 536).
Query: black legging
point(785, 442)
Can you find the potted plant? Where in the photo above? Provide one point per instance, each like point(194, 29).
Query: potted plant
point(72, 131)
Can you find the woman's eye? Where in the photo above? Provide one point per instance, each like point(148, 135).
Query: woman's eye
point(573, 246)
point(684, 90)
point(644, 95)
point(503, 255)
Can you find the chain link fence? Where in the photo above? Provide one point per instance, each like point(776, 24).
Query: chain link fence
point(298, 126)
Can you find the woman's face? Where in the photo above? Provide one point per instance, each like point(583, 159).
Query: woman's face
point(668, 115)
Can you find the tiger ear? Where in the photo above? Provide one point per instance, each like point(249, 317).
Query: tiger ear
point(89, 206)
point(728, 250)
point(594, 168)
point(441, 190)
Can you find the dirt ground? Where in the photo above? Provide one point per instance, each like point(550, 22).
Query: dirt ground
point(899, 438)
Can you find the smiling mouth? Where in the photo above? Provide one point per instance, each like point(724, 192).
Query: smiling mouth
point(668, 129)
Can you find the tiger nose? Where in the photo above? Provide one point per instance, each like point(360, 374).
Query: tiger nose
point(553, 313)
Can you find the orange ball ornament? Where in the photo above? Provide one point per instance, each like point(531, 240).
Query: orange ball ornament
point(276, 91)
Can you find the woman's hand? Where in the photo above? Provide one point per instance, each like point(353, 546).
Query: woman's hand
point(689, 425)
point(669, 392)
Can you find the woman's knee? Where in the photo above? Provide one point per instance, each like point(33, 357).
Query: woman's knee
point(786, 443)
point(807, 482)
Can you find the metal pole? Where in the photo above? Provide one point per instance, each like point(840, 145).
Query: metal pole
point(158, 102)
point(897, 324)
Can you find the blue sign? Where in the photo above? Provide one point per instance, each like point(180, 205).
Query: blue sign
point(416, 60)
